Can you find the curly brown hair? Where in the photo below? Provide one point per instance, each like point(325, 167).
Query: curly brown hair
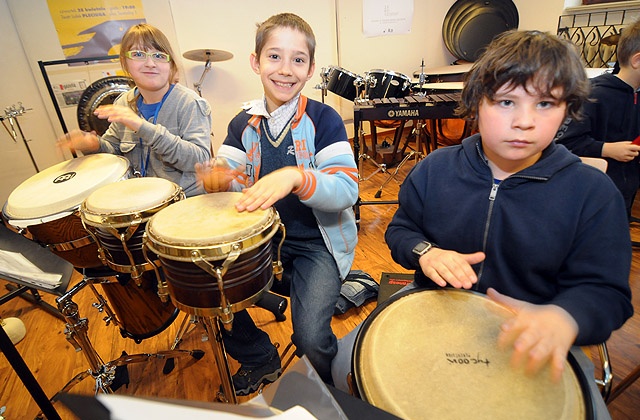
point(530, 59)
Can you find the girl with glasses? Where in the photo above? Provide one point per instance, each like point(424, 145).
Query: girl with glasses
point(160, 126)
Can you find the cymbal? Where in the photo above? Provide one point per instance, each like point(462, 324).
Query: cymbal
point(611, 39)
point(208, 55)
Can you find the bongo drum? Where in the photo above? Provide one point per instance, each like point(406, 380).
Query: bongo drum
point(433, 354)
point(214, 258)
point(116, 216)
point(46, 205)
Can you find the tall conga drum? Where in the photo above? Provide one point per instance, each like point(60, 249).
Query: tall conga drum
point(116, 215)
point(433, 354)
point(214, 258)
point(46, 206)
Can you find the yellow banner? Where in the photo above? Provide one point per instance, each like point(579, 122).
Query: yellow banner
point(93, 28)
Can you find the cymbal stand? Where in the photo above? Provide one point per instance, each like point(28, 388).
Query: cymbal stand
point(11, 113)
point(198, 85)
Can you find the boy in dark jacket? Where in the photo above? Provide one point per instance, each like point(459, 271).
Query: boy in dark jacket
point(514, 215)
point(612, 119)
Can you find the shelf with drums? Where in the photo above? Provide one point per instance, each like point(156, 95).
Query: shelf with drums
point(146, 252)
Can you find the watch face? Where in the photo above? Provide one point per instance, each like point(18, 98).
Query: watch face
point(421, 248)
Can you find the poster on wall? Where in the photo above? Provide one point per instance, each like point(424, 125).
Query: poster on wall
point(93, 28)
point(386, 17)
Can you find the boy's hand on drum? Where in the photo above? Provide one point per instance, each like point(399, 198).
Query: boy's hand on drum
point(539, 334)
point(119, 114)
point(269, 189)
point(80, 140)
point(450, 267)
point(215, 175)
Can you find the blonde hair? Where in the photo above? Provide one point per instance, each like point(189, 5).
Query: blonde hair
point(146, 37)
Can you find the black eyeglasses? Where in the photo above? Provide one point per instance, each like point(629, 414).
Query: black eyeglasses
point(157, 56)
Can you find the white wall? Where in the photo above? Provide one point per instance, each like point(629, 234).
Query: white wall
point(27, 35)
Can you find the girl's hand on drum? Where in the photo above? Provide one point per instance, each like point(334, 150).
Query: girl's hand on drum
point(80, 140)
point(450, 267)
point(119, 114)
point(269, 189)
point(539, 334)
point(215, 175)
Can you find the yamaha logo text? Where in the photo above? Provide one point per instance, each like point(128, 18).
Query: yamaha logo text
point(403, 113)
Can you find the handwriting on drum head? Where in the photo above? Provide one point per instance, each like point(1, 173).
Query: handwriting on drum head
point(466, 359)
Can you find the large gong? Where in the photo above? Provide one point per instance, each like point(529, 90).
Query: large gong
point(470, 25)
point(101, 92)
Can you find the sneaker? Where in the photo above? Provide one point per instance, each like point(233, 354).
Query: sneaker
point(247, 381)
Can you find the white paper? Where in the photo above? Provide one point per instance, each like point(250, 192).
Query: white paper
point(386, 17)
point(129, 408)
point(15, 265)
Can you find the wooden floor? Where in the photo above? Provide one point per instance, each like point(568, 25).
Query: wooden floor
point(54, 361)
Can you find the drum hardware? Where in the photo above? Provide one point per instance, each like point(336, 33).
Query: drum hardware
point(11, 114)
point(111, 375)
point(418, 132)
point(324, 77)
point(208, 56)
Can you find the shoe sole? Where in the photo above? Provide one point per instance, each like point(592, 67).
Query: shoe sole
point(266, 379)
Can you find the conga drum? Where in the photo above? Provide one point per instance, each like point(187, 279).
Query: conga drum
point(116, 216)
point(433, 354)
point(45, 206)
point(215, 259)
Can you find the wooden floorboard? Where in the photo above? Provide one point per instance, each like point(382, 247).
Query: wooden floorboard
point(54, 361)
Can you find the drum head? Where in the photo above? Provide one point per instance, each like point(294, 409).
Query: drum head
point(101, 92)
point(433, 354)
point(64, 186)
point(131, 196)
point(209, 223)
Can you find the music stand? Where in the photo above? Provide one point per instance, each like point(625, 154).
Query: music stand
point(41, 258)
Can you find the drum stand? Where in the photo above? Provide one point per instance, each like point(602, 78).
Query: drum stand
point(422, 140)
point(111, 375)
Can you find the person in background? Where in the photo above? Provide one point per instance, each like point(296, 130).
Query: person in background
point(512, 214)
point(161, 127)
point(291, 152)
point(612, 119)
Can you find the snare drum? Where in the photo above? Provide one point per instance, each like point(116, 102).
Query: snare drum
point(386, 84)
point(343, 82)
point(116, 216)
point(46, 205)
point(204, 236)
point(433, 354)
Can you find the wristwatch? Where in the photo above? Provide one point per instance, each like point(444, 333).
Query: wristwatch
point(421, 249)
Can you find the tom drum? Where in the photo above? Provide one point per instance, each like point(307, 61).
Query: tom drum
point(343, 83)
point(386, 84)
